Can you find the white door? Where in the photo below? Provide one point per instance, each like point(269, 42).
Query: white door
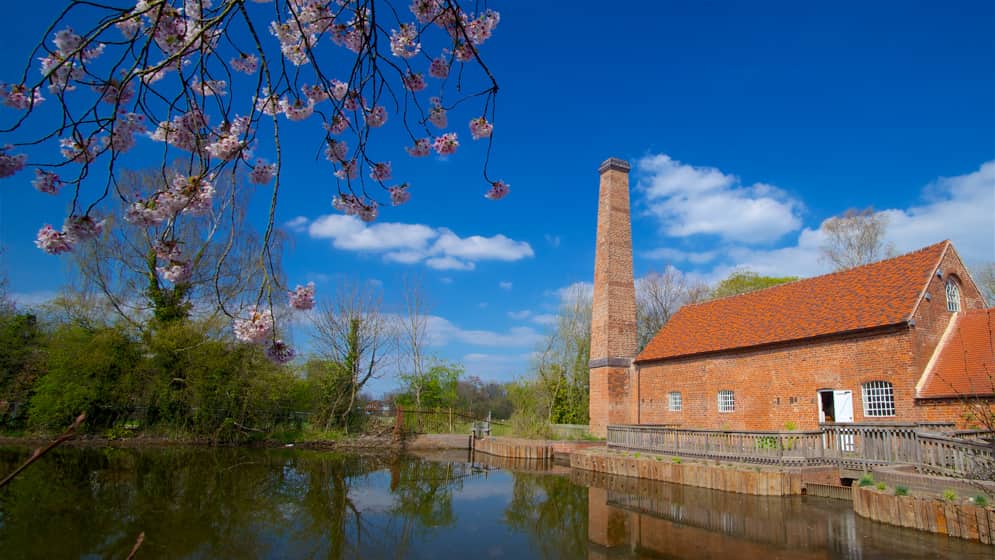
point(843, 405)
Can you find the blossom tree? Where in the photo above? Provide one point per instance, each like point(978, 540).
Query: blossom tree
point(210, 82)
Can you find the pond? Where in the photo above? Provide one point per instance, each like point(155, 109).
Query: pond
point(291, 503)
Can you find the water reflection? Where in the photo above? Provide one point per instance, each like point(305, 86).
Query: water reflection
point(286, 503)
point(633, 518)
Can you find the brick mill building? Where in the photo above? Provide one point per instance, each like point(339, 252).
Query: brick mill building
point(905, 339)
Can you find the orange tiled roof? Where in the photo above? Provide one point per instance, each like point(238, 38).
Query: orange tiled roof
point(965, 364)
point(873, 295)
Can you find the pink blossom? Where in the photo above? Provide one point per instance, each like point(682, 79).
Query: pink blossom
point(79, 151)
point(53, 242)
point(380, 171)
point(48, 183)
point(421, 148)
point(349, 170)
point(146, 213)
point(437, 115)
point(82, 228)
point(336, 151)
point(446, 144)
point(339, 123)
point(377, 117)
point(425, 10)
point(129, 27)
point(115, 92)
point(209, 87)
point(229, 143)
point(193, 194)
point(315, 93)
point(126, 126)
point(353, 101)
point(480, 128)
point(268, 104)
point(302, 298)
point(293, 44)
point(480, 28)
point(414, 82)
point(404, 42)
point(256, 328)
point(368, 212)
point(297, 111)
point(339, 89)
point(168, 250)
point(245, 63)
point(498, 190)
point(439, 68)
point(11, 163)
point(262, 173)
point(175, 272)
point(280, 352)
point(399, 194)
point(463, 52)
point(18, 97)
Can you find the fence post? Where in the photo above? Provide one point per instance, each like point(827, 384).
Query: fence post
point(398, 423)
point(451, 420)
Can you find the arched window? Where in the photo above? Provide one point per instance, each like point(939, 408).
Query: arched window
point(953, 295)
point(879, 398)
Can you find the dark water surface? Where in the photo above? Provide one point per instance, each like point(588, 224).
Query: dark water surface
point(287, 503)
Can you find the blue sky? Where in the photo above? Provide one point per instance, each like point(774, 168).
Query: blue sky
point(747, 123)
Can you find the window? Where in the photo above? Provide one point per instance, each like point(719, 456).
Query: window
point(727, 401)
point(953, 295)
point(674, 401)
point(879, 399)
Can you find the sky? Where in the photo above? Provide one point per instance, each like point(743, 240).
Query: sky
point(747, 124)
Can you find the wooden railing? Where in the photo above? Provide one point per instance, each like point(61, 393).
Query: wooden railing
point(856, 446)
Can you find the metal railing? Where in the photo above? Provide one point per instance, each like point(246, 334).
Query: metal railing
point(857, 446)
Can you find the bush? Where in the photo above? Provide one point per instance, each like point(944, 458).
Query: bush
point(981, 500)
point(866, 480)
point(901, 490)
point(675, 460)
point(949, 495)
point(880, 486)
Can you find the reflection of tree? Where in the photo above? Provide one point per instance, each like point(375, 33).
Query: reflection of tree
point(552, 511)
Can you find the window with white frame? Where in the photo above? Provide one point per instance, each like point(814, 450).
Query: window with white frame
point(674, 401)
point(953, 295)
point(879, 398)
point(727, 401)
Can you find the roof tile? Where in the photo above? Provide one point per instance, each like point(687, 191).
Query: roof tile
point(965, 365)
point(873, 295)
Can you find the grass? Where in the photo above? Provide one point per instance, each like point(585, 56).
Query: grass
point(866, 480)
point(901, 490)
point(880, 486)
point(675, 460)
point(949, 495)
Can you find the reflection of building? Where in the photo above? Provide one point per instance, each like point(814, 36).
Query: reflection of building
point(896, 340)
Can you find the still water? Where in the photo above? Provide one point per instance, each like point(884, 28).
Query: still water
point(287, 503)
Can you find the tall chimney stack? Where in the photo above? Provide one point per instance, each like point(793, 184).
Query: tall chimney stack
point(613, 316)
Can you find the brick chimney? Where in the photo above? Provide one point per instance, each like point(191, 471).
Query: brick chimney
point(613, 316)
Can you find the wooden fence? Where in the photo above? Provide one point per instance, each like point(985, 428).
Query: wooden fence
point(855, 446)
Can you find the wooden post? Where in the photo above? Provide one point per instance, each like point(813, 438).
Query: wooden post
point(451, 430)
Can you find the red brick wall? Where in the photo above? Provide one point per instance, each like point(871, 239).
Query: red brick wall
point(931, 317)
point(776, 385)
point(610, 401)
point(967, 415)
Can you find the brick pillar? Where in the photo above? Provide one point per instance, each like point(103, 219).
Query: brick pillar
point(613, 316)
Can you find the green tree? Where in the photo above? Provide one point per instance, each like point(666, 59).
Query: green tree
point(744, 281)
point(436, 386)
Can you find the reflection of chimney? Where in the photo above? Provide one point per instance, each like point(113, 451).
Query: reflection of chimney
point(613, 317)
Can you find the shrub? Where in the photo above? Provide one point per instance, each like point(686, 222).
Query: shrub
point(790, 425)
point(636, 454)
point(949, 495)
point(675, 460)
point(880, 486)
point(901, 490)
point(866, 480)
point(981, 500)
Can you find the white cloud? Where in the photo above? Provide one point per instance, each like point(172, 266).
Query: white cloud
point(570, 292)
point(676, 255)
point(958, 208)
point(297, 224)
point(441, 332)
point(544, 319)
point(437, 248)
point(497, 367)
point(519, 315)
point(504, 285)
point(692, 200)
point(33, 299)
